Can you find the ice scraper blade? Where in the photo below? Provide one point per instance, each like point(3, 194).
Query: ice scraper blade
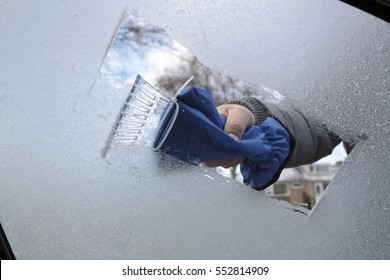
point(139, 117)
point(142, 115)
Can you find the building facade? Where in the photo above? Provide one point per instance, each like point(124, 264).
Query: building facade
point(303, 185)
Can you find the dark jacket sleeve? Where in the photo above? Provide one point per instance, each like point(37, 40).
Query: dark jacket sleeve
point(310, 141)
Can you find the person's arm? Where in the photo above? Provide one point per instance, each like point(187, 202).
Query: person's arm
point(310, 141)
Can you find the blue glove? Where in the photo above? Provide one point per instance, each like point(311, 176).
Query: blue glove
point(192, 130)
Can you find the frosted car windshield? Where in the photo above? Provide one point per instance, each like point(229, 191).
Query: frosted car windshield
point(61, 199)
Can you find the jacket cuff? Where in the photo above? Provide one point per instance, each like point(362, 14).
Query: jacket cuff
point(257, 108)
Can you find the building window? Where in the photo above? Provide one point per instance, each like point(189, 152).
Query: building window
point(319, 188)
point(297, 185)
point(280, 189)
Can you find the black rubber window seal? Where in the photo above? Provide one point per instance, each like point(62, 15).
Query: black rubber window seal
point(5, 248)
point(377, 8)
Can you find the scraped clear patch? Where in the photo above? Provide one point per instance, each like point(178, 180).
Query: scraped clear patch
point(142, 63)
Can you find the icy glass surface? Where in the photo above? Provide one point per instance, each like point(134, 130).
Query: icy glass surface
point(59, 197)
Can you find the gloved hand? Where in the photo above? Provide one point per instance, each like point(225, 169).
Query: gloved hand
point(238, 118)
